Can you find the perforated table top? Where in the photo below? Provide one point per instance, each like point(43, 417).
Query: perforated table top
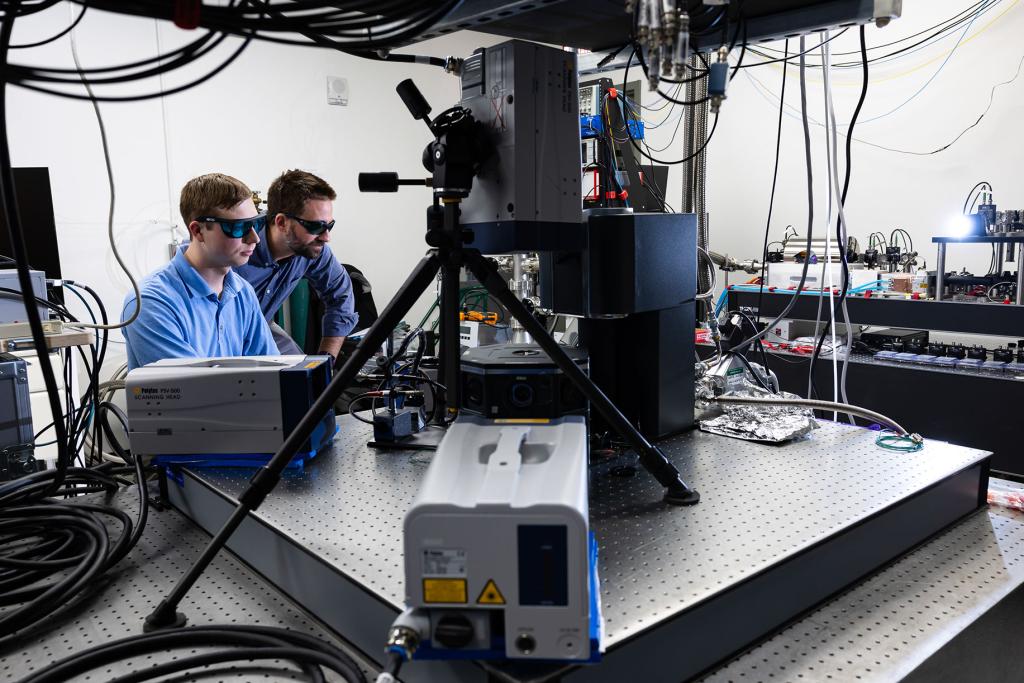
point(347, 508)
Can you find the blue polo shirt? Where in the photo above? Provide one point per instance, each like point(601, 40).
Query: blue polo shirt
point(275, 280)
point(183, 318)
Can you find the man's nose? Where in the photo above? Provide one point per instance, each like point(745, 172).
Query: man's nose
point(251, 237)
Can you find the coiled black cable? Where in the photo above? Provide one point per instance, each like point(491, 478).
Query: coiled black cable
point(237, 643)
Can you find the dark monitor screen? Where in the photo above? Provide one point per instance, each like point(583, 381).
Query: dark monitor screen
point(35, 206)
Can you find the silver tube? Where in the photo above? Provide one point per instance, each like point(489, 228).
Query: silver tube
point(686, 205)
point(706, 268)
point(817, 405)
point(940, 271)
point(519, 334)
point(728, 263)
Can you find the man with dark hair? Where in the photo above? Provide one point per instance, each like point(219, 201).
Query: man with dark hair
point(300, 216)
point(196, 306)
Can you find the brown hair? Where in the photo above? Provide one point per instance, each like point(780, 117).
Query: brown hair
point(202, 196)
point(290, 190)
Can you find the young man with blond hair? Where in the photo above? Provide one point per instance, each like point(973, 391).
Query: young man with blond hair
point(293, 246)
point(196, 305)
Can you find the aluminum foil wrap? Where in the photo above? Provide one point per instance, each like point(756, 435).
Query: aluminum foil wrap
point(770, 424)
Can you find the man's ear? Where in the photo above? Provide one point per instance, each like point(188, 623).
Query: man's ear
point(195, 231)
point(280, 221)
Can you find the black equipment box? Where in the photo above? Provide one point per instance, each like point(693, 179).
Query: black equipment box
point(519, 381)
point(632, 263)
point(15, 419)
point(891, 335)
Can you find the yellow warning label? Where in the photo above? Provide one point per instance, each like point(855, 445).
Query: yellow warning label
point(522, 421)
point(490, 595)
point(312, 364)
point(444, 590)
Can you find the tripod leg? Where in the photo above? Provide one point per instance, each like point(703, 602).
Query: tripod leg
point(266, 478)
point(449, 326)
point(651, 457)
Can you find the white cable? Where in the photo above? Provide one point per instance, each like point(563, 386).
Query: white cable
point(167, 147)
point(831, 111)
point(830, 156)
point(826, 271)
point(817, 322)
point(110, 215)
point(816, 405)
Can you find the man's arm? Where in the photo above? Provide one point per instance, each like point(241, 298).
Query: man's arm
point(259, 340)
point(332, 346)
point(156, 334)
point(334, 287)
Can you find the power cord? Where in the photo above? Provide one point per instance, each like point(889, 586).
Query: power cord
point(110, 184)
point(810, 202)
point(234, 643)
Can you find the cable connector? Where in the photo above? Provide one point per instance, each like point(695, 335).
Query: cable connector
point(682, 46)
point(404, 639)
point(187, 13)
point(653, 69)
point(718, 79)
point(643, 22)
point(453, 65)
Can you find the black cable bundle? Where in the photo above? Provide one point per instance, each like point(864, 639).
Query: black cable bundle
point(52, 549)
point(402, 374)
point(361, 28)
point(905, 44)
point(238, 644)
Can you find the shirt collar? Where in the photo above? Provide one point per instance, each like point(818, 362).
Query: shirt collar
point(233, 284)
point(261, 255)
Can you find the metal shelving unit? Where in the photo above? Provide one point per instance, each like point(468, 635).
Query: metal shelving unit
point(946, 316)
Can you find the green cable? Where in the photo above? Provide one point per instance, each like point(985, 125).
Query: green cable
point(900, 444)
point(430, 311)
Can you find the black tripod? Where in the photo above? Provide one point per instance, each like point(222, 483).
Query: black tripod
point(453, 158)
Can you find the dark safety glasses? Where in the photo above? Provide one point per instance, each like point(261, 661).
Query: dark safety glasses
point(237, 228)
point(312, 227)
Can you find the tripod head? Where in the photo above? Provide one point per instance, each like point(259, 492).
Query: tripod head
point(461, 144)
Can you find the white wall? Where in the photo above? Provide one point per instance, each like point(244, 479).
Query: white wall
point(265, 113)
point(888, 190)
point(268, 111)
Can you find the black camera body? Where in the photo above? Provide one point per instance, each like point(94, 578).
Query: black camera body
point(454, 157)
point(519, 381)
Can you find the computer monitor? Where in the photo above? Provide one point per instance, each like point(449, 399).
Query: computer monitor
point(35, 206)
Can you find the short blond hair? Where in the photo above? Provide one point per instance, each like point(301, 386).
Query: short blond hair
point(206, 194)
